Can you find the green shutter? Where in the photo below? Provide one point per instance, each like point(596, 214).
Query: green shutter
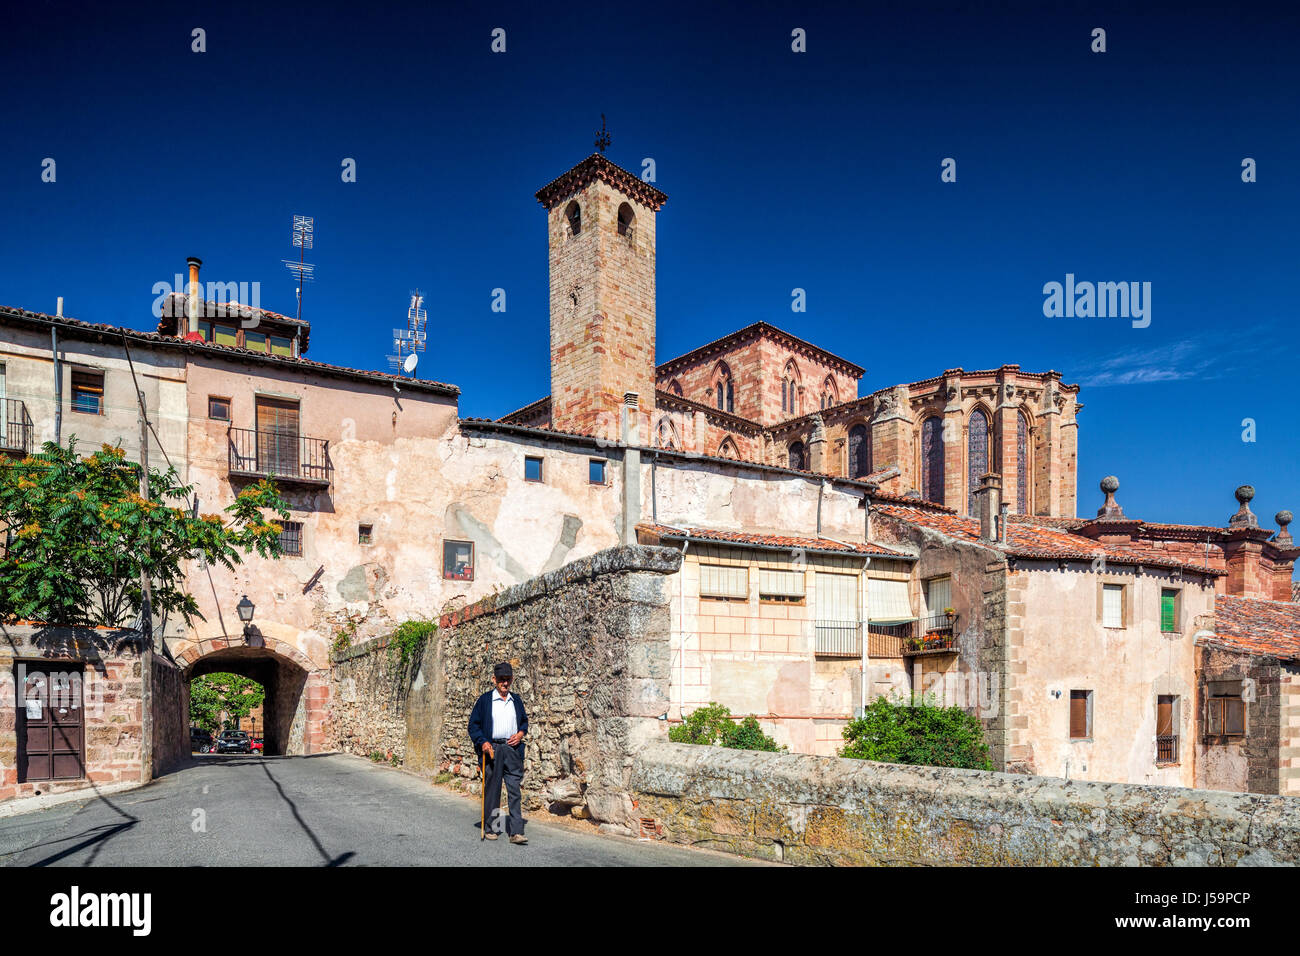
point(1167, 599)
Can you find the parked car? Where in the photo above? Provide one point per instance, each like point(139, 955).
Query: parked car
point(257, 744)
point(200, 740)
point(234, 742)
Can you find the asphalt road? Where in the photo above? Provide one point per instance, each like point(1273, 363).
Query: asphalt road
point(328, 810)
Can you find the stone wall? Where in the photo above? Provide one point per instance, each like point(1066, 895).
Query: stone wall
point(823, 810)
point(169, 703)
point(589, 643)
point(371, 691)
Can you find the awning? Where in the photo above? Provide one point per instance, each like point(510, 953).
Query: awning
point(888, 602)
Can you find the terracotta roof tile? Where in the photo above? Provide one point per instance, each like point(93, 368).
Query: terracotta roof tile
point(1042, 542)
point(776, 542)
point(594, 167)
point(1256, 626)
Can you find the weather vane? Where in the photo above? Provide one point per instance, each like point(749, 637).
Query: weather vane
point(602, 138)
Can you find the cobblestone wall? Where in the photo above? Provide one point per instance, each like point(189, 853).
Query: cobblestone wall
point(831, 811)
point(589, 643)
point(371, 696)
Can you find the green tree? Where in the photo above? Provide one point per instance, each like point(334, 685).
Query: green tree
point(221, 698)
point(917, 733)
point(80, 535)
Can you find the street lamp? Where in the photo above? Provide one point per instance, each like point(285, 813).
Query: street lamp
point(245, 610)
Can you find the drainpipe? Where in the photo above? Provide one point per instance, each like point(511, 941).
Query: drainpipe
point(631, 468)
point(821, 487)
point(58, 379)
point(862, 626)
point(654, 493)
point(681, 632)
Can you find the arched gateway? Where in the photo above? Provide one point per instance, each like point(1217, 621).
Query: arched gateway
point(297, 690)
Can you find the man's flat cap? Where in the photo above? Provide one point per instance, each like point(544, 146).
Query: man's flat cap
point(503, 670)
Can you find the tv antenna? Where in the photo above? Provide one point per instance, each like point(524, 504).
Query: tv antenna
point(409, 342)
point(304, 228)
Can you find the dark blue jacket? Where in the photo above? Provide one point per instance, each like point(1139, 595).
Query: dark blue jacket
point(480, 720)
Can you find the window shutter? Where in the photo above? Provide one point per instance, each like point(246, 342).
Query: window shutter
point(1164, 716)
point(938, 595)
point(1112, 610)
point(888, 602)
point(1167, 618)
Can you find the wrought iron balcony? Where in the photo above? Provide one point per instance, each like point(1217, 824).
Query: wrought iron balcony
point(887, 640)
point(1167, 748)
point(934, 634)
point(16, 428)
point(287, 457)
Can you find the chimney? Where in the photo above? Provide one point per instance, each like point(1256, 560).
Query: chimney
point(1002, 523)
point(1243, 551)
point(194, 296)
point(988, 505)
point(59, 306)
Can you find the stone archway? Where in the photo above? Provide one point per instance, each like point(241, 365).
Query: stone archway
point(297, 691)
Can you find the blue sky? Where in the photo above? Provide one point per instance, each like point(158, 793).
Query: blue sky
point(818, 170)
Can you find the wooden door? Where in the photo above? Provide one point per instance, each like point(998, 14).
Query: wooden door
point(51, 726)
point(277, 437)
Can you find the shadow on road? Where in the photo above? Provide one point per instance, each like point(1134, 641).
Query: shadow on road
point(293, 808)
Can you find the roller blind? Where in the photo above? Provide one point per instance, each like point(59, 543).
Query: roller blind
point(938, 595)
point(778, 582)
point(888, 602)
point(1112, 605)
point(837, 597)
point(720, 581)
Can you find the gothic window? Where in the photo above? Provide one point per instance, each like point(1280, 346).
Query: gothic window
point(830, 395)
point(675, 387)
point(666, 435)
point(723, 390)
point(859, 452)
point(1022, 464)
point(932, 459)
point(626, 220)
point(785, 394)
point(797, 457)
point(728, 449)
point(574, 215)
point(977, 455)
point(790, 387)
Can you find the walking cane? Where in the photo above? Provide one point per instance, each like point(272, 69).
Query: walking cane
point(482, 803)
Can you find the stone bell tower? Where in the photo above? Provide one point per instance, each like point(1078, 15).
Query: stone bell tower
point(601, 238)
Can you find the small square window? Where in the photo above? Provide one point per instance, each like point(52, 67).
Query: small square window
point(532, 469)
point(458, 560)
point(365, 534)
point(218, 408)
point(291, 539)
point(281, 345)
point(88, 392)
point(255, 341)
point(596, 471)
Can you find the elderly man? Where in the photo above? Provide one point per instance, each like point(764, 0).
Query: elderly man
point(497, 726)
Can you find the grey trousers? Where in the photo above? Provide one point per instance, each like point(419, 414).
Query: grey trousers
point(508, 767)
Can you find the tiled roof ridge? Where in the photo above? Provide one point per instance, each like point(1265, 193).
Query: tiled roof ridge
point(599, 166)
point(545, 400)
point(175, 342)
point(750, 331)
point(776, 541)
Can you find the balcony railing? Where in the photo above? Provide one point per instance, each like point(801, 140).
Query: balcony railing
point(838, 639)
point(933, 635)
point(15, 427)
point(285, 456)
point(1167, 748)
point(886, 640)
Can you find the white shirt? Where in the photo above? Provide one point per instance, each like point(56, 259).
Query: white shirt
point(505, 722)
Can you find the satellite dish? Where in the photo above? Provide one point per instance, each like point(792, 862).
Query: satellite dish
point(411, 361)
